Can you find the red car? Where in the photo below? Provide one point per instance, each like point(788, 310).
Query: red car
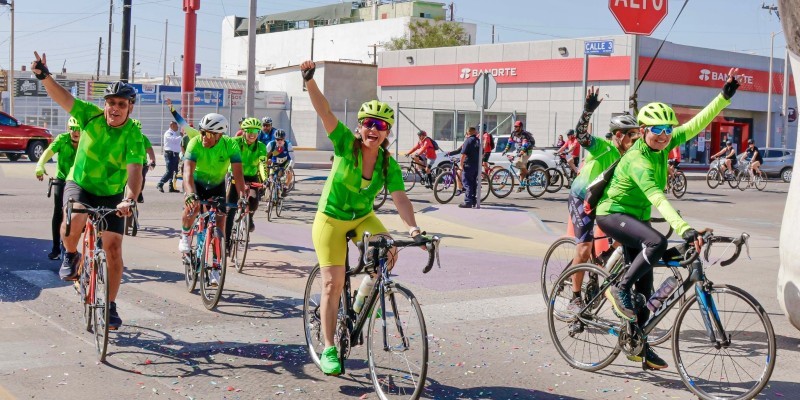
point(17, 139)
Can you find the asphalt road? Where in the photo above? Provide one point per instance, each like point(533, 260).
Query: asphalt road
point(483, 308)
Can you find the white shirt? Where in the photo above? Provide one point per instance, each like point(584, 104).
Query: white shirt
point(172, 141)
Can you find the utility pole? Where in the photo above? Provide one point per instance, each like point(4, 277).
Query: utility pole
point(164, 71)
point(492, 33)
point(452, 8)
point(770, 9)
point(10, 77)
point(784, 103)
point(99, 55)
point(250, 95)
point(133, 57)
point(126, 41)
point(108, 51)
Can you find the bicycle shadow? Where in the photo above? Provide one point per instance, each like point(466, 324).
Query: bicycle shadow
point(437, 390)
point(138, 275)
point(254, 305)
point(275, 247)
point(268, 269)
point(156, 232)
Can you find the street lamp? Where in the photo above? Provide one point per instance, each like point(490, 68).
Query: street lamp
point(10, 82)
point(769, 93)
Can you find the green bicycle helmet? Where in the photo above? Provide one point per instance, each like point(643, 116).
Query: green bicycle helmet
point(251, 123)
point(137, 123)
point(377, 109)
point(657, 114)
point(73, 123)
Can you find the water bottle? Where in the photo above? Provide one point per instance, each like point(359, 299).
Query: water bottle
point(614, 257)
point(201, 238)
point(363, 291)
point(662, 293)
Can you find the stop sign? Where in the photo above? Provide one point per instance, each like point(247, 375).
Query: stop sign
point(639, 17)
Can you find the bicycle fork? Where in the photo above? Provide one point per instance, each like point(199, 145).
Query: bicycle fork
point(708, 310)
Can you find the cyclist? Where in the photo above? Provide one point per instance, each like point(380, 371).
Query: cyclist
point(674, 161)
point(208, 158)
point(361, 168)
point(523, 143)
point(424, 153)
point(488, 147)
point(638, 184)
point(267, 133)
point(602, 154)
point(572, 150)
point(279, 156)
point(65, 146)
point(253, 154)
point(730, 158)
point(109, 154)
point(151, 155)
point(753, 155)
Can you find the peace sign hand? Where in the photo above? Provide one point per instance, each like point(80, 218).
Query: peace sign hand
point(39, 66)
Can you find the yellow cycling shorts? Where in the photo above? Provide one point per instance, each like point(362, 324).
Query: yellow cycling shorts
point(328, 235)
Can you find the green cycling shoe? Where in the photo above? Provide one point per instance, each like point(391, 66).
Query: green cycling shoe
point(329, 362)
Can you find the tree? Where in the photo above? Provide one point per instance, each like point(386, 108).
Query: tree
point(425, 34)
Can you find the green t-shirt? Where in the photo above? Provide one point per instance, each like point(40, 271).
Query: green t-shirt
point(641, 175)
point(251, 155)
point(62, 146)
point(346, 196)
point(602, 153)
point(104, 152)
point(212, 163)
point(147, 144)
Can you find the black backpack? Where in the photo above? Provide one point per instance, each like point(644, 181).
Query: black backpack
point(595, 189)
point(491, 140)
point(435, 145)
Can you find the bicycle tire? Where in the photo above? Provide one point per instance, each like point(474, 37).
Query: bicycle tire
point(444, 187)
point(409, 178)
point(270, 203)
point(734, 181)
point(278, 200)
point(502, 183)
point(696, 339)
point(537, 182)
point(558, 257)
point(290, 172)
point(84, 284)
point(100, 306)
point(312, 325)
point(190, 263)
point(214, 248)
point(135, 225)
point(712, 178)
point(484, 187)
point(761, 181)
point(406, 379)
point(555, 180)
point(743, 181)
point(596, 324)
point(242, 241)
point(380, 199)
point(679, 184)
point(663, 331)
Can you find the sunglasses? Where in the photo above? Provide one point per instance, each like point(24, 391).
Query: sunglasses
point(204, 133)
point(378, 124)
point(659, 129)
point(252, 131)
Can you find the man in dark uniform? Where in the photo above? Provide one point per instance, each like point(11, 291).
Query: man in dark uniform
point(470, 167)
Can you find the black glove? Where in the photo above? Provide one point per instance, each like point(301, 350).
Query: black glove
point(41, 67)
point(309, 73)
point(730, 88)
point(592, 102)
point(690, 235)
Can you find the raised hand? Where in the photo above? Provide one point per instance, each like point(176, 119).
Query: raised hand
point(307, 68)
point(731, 84)
point(39, 66)
point(592, 101)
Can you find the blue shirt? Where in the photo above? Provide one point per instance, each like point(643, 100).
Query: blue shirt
point(279, 155)
point(472, 148)
point(267, 137)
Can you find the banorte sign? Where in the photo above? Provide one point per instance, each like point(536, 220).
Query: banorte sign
point(472, 73)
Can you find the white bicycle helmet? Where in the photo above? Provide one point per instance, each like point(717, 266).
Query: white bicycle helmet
point(216, 123)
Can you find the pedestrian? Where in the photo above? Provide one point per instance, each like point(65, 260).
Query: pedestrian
point(172, 149)
point(488, 146)
point(470, 167)
point(560, 141)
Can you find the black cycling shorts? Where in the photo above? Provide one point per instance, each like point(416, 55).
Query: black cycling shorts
point(114, 223)
point(204, 193)
point(582, 223)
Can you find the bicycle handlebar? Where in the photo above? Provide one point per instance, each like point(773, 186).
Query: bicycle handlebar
point(382, 243)
point(96, 212)
point(738, 242)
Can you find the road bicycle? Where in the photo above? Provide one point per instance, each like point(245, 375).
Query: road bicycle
point(207, 252)
point(560, 254)
point(749, 178)
point(560, 175)
point(92, 283)
point(391, 319)
point(676, 183)
point(276, 190)
point(240, 233)
point(716, 176)
point(445, 186)
point(723, 343)
point(415, 172)
point(502, 181)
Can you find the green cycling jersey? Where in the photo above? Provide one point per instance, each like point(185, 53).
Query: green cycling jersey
point(641, 175)
point(212, 163)
point(252, 155)
point(62, 146)
point(602, 153)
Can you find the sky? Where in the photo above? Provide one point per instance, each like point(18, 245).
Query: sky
point(68, 31)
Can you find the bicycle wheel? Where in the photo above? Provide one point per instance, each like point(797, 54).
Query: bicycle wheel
point(663, 331)
point(444, 187)
point(557, 258)
point(679, 184)
point(743, 181)
point(135, 224)
point(100, 304)
point(738, 369)
point(761, 180)
point(409, 178)
point(713, 178)
point(502, 183)
point(555, 180)
point(270, 202)
point(587, 341)
point(537, 182)
point(733, 179)
point(278, 201)
point(315, 341)
point(213, 258)
point(484, 187)
point(379, 199)
point(241, 235)
point(190, 263)
point(290, 178)
point(397, 345)
point(84, 283)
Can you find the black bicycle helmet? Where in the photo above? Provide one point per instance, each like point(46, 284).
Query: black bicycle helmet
point(280, 134)
point(120, 89)
point(622, 122)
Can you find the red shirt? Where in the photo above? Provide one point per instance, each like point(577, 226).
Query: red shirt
point(427, 145)
point(675, 154)
point(487, 143)
point(576, 149)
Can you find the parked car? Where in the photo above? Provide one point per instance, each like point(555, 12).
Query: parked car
point(777, 162)
point(543, 157)
point(18, 139)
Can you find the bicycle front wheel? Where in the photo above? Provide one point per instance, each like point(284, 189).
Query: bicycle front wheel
point(713, 178)
point(190, 263)
point(212, 270)
point(484, 186)
point(84, 282)
point(736, 366)
point(679, 184)
point(409, 178)
point(537, 182)
point(379, 199)
point(312, 323)
point(241, 235)
point(397, 345)
point(100, 305)
point(555, 180)
point(761, 181)
point(586, 341)
point(502, 183)
point(278, 200)
point(557, 258)
point(733, 180)
point(444, 187)
point(270, 202)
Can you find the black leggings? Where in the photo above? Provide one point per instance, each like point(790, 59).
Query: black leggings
point(58, 213)
point(643, 242)
point(233, 197)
